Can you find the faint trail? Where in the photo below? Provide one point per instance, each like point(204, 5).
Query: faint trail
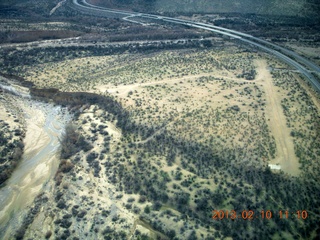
point(153, 135)
point(57, 6)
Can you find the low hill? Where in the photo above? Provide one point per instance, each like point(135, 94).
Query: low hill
point(299, 8)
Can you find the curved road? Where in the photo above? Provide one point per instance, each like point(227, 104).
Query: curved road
point(303, 65)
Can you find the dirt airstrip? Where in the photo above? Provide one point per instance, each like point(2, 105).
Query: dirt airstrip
point(285, 155)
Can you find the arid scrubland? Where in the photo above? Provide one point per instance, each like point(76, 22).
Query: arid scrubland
point(128, 69)
point(167, 127)
point(168, 136)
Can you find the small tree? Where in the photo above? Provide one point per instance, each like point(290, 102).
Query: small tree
point(147, 209)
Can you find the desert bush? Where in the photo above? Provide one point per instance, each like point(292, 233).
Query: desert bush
point(48, 235)
point(72, 142)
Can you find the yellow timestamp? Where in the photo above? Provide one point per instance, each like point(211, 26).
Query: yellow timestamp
point(262, 214)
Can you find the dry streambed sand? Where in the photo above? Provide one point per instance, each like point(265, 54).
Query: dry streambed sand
point(39, 164)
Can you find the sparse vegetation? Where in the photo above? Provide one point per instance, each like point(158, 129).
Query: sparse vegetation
point(11, 147)
point(163, 133)
point(71, 143)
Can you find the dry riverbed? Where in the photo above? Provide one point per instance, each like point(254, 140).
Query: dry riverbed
point(44, 125)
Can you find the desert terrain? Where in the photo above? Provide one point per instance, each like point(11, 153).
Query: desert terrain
point(113, 135)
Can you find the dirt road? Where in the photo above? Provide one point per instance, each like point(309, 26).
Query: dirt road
point(285, 155)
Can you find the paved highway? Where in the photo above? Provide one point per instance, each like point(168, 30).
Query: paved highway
point(303, 65)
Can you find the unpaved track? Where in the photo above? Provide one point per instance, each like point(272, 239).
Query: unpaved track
point(285, 155)
point(124, 89)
